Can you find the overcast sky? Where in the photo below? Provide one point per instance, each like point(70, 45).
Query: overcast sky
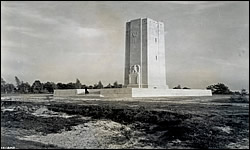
point(206, 42)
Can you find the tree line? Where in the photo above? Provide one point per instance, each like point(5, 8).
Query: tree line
point(48, 87)
point(218, 88)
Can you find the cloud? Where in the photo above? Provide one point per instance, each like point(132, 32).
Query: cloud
point(187, 2)
point(222, 62)
point(7, 43)
point(203, 6)
point(65, 40)
point(18, 28)
point(25, 31)
point(210, 5)
point(89, 32)
point(29, 13)
point(100, 54)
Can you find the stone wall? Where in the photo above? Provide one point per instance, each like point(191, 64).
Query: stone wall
point(66, 92)
point(119, 92)
point(136, 92)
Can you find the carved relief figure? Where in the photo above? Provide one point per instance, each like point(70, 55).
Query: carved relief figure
point(134, 76)
point(135, 69)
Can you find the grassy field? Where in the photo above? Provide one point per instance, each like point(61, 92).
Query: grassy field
point(76, 122)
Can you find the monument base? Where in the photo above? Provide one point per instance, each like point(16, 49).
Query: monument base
point(145, 92)
point(147, 86)
point(136, 92)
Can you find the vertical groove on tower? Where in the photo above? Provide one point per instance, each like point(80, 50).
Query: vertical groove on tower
point(141, 56)
point(127, 54)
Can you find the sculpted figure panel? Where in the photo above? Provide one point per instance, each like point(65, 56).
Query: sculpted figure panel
point(135, 69)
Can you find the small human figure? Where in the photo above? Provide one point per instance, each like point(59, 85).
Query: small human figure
point(86, 90)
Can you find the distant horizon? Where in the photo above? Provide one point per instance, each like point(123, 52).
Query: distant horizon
point(206, 42)
point(120, 83)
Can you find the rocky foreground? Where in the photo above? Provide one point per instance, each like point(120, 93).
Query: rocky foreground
point(206, 123)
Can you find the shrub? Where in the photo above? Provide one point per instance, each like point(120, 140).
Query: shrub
point(240, 97)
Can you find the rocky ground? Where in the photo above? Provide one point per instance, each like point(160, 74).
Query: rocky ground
point(188, 122)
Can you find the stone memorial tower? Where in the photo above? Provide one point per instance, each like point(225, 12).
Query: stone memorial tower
point(145, 69)
point(145, 54)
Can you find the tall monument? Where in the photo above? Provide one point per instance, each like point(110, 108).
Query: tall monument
point(145, 69)
point(145, 54)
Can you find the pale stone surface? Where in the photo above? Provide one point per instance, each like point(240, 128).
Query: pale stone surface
point(64, 92)
point(68, 92)
point(73, 92)
point(119, 92)
point(135, 92)
point(145, 46)
point(146, 92)
point(143, 92)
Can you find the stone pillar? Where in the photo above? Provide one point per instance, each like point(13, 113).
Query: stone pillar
point(145, 46)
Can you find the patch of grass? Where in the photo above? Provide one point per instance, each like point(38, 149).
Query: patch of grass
point(25, 120)
point(195, 125)
point(239, 99)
